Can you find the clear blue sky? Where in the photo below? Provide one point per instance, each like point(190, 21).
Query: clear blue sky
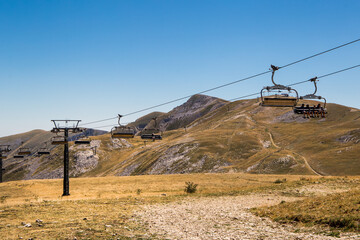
point(90, 60)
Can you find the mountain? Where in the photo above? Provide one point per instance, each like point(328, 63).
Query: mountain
point(196, 107)
point(236, 136)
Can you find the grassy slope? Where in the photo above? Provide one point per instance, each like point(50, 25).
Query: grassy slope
point(231, 139)
point(341, 211)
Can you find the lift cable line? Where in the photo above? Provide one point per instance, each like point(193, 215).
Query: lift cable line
point(297, 83)
point(293, 84)
point(227, 84)
point(257, 93)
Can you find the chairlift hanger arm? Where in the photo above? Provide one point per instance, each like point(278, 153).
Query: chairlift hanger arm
point(314, 79)
point(273, 69)
point(119, 116)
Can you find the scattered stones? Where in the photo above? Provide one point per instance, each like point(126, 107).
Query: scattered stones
point(220, 218)
point(27, 225)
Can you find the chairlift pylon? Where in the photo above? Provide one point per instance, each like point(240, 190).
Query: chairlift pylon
point(122, 131)
point(279, 98)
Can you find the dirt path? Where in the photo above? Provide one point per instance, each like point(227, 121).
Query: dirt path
point(308, 165)
point(219, 218)
point(305, 160)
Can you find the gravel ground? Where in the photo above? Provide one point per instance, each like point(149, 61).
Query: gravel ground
point(221, 218)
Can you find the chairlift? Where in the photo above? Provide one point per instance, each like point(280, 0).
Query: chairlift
point(315, 110)
point(83, 141)
point(122, 131)
point(278, 95)
point(151, 133)
point(43, 150)
point(58, 140)
point(24, 151)
point(18, 156)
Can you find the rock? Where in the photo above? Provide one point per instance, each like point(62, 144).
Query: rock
point(27, 225)
point(108, 226)
point(85, 219)
point(38, 221)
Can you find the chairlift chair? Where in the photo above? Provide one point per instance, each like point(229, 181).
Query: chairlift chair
point(83, 141)
point(303, 109)
point(18, 156)
point(278, 95)
point(122, 131)
point(43, 150)
point(24, 151)
point(58, 140)
point(3, 157)
point(151, 133)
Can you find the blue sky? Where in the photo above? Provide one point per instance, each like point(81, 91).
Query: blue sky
point(91, 60)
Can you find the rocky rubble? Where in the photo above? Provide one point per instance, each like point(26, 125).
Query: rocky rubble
point(221, 218)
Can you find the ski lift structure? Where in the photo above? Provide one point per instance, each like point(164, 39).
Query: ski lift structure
point(4, 149)
point(151, 133)
point(44, 150)
point(83, 141)
point(278, 95)
point(59, 140)
point(306, 110)
point(24, 151)
point(122, 131)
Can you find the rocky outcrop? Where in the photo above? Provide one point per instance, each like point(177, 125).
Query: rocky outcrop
point(181, 116)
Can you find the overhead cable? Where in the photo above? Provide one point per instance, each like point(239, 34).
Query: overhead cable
point(227, 84)
point(297, 83)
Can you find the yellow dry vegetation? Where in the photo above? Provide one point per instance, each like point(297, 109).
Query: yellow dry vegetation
point(103, 207)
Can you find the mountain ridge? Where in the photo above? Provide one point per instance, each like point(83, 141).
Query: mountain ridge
point(237, 136)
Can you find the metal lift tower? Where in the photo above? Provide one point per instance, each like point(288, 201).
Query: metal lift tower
point(3, 149)
point(64, 126)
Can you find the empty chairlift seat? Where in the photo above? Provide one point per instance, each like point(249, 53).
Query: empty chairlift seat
point(83, 141)
point(278, 95)
point(58, 140)
point(122, 132)
point(43, 151)
point(24, 151)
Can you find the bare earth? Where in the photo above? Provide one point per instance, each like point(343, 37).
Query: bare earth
point(221, 218)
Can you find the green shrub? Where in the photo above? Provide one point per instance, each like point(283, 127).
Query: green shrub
point(190, 187)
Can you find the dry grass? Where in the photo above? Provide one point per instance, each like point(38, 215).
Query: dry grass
point(338, 211)
point(112, 200)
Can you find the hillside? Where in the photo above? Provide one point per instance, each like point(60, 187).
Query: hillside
point(239, 136)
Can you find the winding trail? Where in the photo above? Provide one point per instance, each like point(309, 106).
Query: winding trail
point(295, 153)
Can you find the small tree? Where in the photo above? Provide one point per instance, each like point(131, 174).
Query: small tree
point(190, 187)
